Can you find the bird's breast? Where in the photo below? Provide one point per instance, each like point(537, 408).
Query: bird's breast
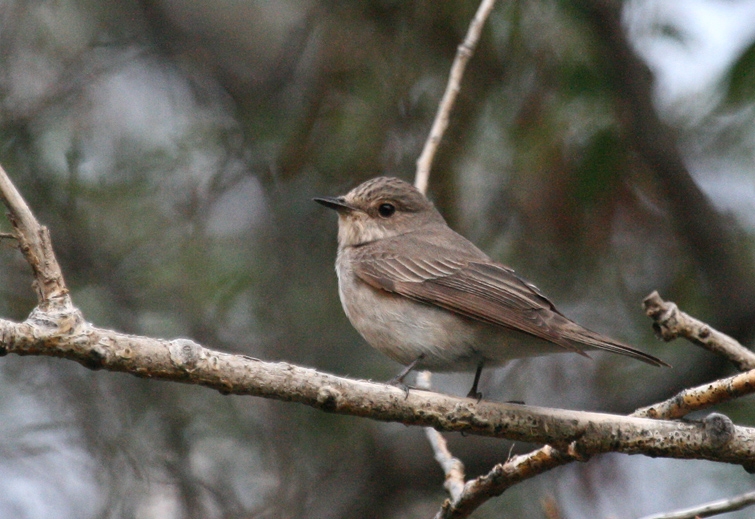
point(404, 329)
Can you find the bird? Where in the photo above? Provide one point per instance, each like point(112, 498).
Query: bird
point(428, 298)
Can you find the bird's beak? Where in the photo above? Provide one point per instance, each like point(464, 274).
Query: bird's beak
point(335, 202)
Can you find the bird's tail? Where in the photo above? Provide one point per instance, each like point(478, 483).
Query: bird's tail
point(582, 337)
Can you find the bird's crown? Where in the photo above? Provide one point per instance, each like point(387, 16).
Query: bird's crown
point(404, 196)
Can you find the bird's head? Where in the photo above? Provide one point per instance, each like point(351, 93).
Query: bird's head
point(379, 208)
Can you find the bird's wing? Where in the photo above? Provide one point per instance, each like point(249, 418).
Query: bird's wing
point(484, 290)
point(481, 290)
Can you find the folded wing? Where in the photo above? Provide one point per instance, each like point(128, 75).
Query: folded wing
point(486, 291)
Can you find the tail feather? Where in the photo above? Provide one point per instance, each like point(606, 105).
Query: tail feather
point(582, 337)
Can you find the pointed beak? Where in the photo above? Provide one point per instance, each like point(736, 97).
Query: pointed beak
point(335, 202)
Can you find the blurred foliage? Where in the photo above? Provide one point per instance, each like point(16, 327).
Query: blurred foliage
point(741, 78)
point(173, 149)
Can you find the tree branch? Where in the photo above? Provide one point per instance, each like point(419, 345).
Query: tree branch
point(710, 509)
point(34, 243)
point(701, 397)
point(463, 54)
point(182, 360)
point(670, 323)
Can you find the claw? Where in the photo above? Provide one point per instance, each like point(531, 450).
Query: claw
point(474, 394)
point(398, 380)
point(395, 382)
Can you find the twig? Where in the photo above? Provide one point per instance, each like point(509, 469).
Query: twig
point(501, 477)
point(463, 53)
point(670, 323)
point(551, 508)
point(34, 242)
point(452, 467)
point(710, 509)
point(701, 397)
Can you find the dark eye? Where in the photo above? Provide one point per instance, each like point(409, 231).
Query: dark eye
point(386, 210)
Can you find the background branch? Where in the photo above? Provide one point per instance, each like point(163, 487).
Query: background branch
point(669, 323)
point(463, 54)
point(34, 243)
point(710, 509)
point(730, 270)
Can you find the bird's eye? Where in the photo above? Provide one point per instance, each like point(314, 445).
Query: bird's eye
point(386, 210)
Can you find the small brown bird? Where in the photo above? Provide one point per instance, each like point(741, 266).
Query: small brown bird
point(430, 299)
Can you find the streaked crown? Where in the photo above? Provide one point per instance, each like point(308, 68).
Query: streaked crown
point(403, 195)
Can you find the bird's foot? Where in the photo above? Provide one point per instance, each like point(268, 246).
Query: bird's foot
point(399, 383)
point(398, 380)
point(473, 393)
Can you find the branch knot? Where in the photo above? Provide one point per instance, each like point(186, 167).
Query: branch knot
point(664, 316)
point(185, 353)
point(327, 397)
point(719, 429)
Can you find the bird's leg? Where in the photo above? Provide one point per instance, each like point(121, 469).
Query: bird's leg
point(473, 392)
point(398, 380)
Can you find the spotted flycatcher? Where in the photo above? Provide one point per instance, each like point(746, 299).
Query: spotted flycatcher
point(430, 299)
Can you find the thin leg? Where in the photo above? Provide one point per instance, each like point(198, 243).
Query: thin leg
point(473, 392)
point(398, 380)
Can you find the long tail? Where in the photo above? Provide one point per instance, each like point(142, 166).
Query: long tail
point(582, 337)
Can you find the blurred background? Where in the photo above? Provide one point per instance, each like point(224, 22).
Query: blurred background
point(604, 149)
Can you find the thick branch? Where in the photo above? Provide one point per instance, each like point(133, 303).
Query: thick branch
point(185, 361)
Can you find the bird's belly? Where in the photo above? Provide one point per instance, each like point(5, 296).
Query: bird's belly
point(404, 330)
